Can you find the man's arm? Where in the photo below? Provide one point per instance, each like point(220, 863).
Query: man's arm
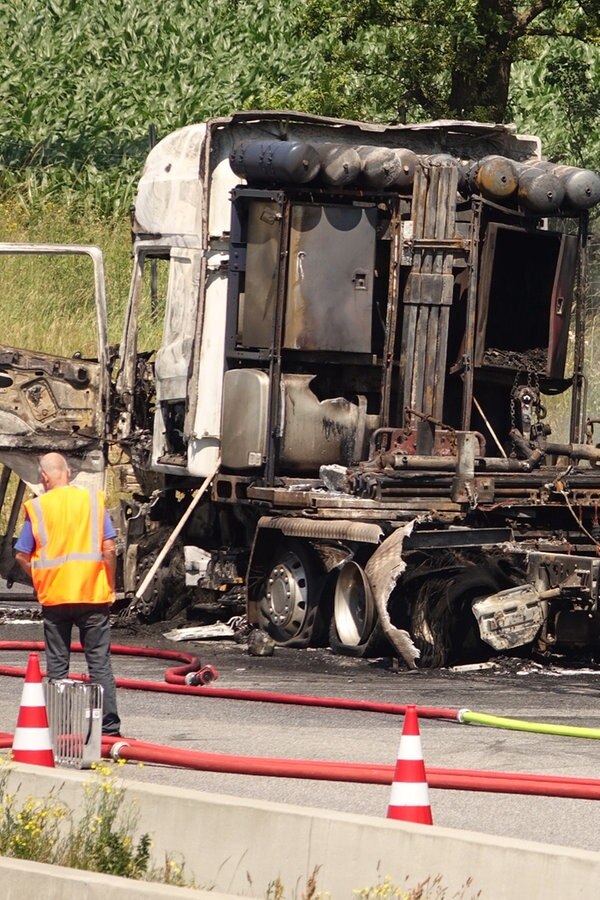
point(24, 560)
point(109, 553)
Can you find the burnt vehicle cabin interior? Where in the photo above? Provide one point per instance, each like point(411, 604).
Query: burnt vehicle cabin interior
point(354, 314)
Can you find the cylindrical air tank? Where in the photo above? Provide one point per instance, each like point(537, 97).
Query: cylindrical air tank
point(496, 177)
point(384, 168)
point(539, 190)
point(581, 186)
point(340, 165)
point(290, 162)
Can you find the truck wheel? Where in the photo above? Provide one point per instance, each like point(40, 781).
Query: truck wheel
point(442, 623)
point(354, 627)
point(289, 599)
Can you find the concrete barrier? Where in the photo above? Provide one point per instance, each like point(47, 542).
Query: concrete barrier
point(242, 847)
point(24, 880)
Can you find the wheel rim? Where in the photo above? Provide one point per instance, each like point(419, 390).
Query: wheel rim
point(286, 594)
point(353, 607)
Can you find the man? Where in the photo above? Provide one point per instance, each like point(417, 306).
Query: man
point(67, 548)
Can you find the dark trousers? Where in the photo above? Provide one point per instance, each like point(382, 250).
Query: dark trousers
point(93, 623)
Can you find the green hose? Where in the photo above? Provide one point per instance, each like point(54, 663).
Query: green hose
point(465, 715)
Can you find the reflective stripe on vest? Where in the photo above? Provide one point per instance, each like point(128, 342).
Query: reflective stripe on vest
point(67, 564)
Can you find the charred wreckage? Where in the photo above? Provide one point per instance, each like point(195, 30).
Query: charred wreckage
point(365, 415)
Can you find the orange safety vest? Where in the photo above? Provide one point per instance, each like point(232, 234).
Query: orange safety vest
point(67, 565)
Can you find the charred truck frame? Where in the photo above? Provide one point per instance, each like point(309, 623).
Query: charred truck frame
point(348, 420)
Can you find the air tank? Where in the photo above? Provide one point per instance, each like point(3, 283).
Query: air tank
point(496, 177)
point(470, 169)
point(340, 165)
point(539, 190)
point(582, 186)
point(382, 167)
point(290, 162)
point(408, 163)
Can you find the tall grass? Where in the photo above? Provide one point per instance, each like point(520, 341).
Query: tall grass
point(47, 303)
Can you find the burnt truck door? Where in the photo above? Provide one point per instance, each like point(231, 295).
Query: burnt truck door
point(526, 291)
point(152, 378)
point(51, 401)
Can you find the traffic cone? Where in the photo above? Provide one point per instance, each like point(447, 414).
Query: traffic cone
point(31, 743)
point(409, 800)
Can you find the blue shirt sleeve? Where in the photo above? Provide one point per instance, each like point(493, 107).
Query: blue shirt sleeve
point(26, 541)
point(109, 528)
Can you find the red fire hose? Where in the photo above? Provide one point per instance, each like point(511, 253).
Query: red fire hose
point(360, 773)
point(177, 681)
point(357, 773)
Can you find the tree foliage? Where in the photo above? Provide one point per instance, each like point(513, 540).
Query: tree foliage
point(424, 58)
point(556, 95)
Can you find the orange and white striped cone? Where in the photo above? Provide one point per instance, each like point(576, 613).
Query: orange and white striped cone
point(409, 800)
point(31, 743)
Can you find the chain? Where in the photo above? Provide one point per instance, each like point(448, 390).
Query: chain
point(513, 409)
point(513, 415)
point(533, 383)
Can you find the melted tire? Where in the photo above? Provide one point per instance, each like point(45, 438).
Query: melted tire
point(442, 624)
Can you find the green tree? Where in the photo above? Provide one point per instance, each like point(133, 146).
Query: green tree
point(434, 58)
point(556, 95)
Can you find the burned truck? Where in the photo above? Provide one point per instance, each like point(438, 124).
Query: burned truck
point(365, 414)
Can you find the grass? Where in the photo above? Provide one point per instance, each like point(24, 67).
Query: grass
point(431, 888)
point(102, 837)
point(48, 303)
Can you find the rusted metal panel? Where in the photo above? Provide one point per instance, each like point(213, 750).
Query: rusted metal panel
point(262, 258)
point(560, 306)
point(330, 294)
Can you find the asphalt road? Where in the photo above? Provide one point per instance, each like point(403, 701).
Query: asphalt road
point(513, 688)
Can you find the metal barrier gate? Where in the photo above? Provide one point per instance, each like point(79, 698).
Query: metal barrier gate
point(75, 722)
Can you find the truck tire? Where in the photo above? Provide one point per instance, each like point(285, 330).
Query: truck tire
point(442, 623)
point(289, 603)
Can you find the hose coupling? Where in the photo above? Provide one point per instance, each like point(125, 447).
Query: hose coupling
point(115, 750)
point(203, 676)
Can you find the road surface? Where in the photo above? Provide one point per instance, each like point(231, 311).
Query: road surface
point(513, 688)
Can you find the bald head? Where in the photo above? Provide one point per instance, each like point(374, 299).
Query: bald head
point(54, 471)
